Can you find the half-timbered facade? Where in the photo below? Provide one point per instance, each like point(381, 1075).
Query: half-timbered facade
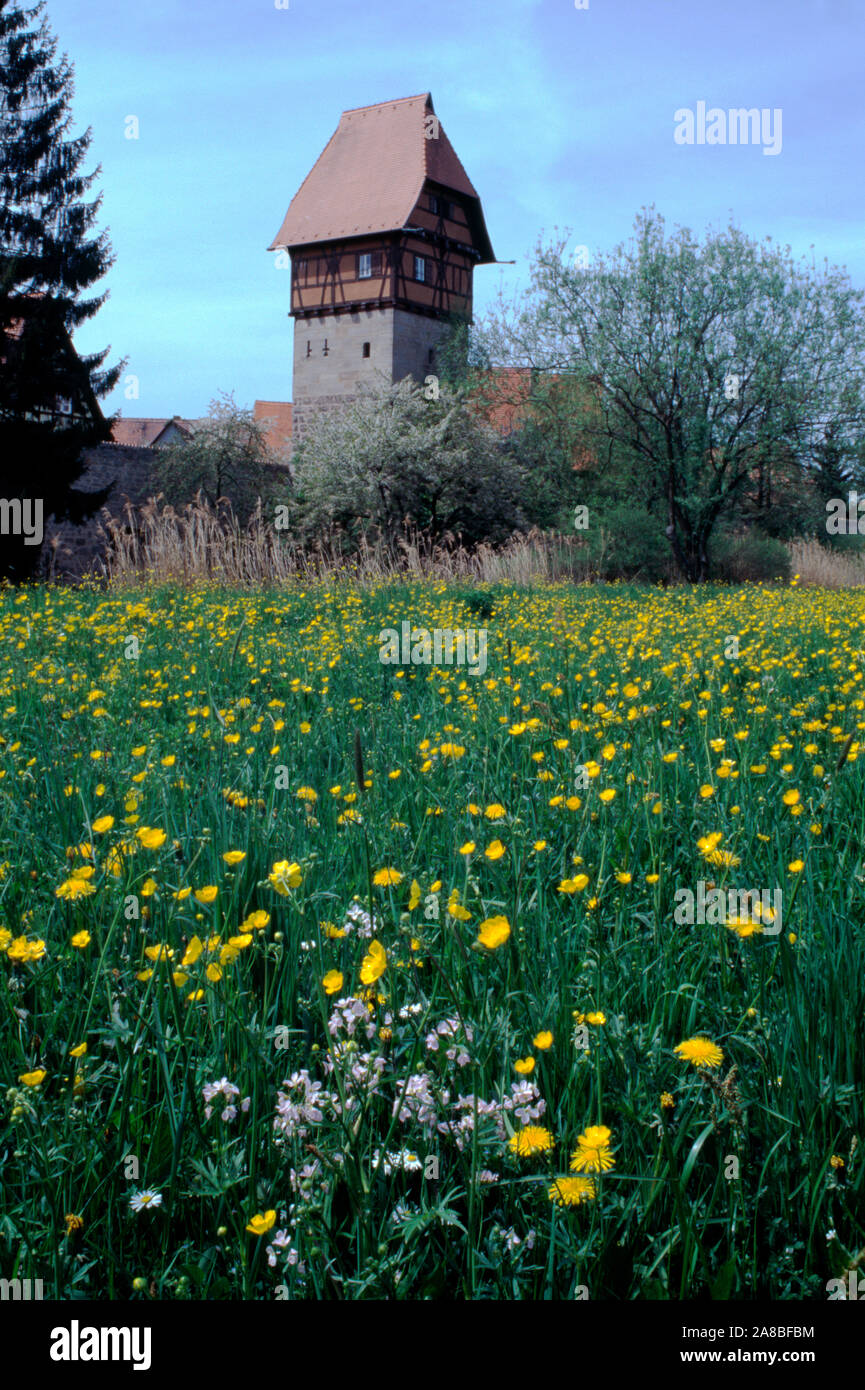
point(44, 378)
point(383, 236)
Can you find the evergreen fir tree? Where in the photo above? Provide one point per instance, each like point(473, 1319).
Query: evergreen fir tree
point(49, 259)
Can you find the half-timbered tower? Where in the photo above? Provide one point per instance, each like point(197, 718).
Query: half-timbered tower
point(383, 236)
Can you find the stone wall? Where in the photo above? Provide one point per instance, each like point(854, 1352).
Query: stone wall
point(70, 550)
point(400, 344)
point(415, 338)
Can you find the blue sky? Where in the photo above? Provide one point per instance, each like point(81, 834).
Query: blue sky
point(562, 117)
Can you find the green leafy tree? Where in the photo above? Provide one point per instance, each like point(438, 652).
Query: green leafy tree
point(49, 259)
point(713, 366)
point(226, 459)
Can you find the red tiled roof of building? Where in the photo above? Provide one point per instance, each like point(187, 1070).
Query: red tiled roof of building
point(504, 396)
point(143, 432)
point(276, 416)
point(370, 176)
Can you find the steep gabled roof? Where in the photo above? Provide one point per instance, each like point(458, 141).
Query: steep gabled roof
point(140, 432)
point(371, 173)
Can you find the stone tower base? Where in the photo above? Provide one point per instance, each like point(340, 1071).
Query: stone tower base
point(337, 355)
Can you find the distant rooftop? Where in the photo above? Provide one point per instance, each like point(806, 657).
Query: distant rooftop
point(146, 432)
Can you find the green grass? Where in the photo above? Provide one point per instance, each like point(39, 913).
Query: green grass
point(728, 1192)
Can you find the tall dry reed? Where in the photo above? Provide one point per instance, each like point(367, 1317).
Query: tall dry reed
point(203, 543)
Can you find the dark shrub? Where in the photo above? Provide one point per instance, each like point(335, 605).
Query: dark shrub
point(752, 557)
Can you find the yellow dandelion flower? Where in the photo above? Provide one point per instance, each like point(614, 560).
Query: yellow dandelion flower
point(593, 1153)
point(387, 878)
point(530, 1140)
point(571, 1192)
point(702, 1052)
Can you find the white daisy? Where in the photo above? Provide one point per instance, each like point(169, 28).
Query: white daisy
point(140, 1200)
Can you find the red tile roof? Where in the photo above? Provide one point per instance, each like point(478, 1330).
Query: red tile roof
point(276, 418)
point(371, 174)
point(504, 396)
point(143, 433)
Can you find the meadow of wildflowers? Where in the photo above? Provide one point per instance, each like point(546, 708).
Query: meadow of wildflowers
point(328, 978)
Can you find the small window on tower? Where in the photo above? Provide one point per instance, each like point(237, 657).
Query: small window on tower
point(419, 269)
point(366, 349)
point(324, 350)
point(364, 265)
point(308, 348)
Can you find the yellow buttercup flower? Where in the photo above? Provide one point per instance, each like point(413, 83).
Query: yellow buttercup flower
point(373, 964)
point(261, 1224)
point(151, 838)
point(32, 1078)
point(573, 885)
point(284, 876)
point(193, 951)
point(494, 932)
